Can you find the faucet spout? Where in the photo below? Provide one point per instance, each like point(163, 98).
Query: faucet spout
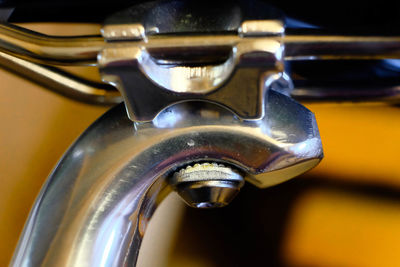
point(94, 208)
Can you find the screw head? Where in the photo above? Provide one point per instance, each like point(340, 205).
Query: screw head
point(207, 185)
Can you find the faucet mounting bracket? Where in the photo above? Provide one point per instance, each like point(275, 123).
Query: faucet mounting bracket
point(155, 65)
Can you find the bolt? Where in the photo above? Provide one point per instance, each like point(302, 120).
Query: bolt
point(207, 185)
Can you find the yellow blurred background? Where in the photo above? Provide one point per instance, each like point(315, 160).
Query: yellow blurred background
point(345, 212)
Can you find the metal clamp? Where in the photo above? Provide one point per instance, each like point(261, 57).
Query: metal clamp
point(154, 70)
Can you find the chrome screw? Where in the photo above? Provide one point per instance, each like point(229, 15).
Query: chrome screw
point(207, 185)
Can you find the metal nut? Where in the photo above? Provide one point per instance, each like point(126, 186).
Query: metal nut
point(207, 185)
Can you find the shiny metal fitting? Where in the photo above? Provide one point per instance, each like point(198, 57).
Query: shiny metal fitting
point(231, 63)
point(207, 185)
point(105, 189)
point(95, 207)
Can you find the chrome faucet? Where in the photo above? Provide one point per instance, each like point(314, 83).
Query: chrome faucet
point(94, 209)
point(207, 113)
point(209, 108)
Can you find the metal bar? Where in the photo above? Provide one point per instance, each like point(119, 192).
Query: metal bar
point(83, 50)
point(377, 94)
point(62, 82)
point(312, 47)
point(18, 45)
point(98, 93)
point(41, 48)
point(297, 47)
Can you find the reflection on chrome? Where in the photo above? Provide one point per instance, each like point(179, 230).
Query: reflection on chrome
point(95, 206)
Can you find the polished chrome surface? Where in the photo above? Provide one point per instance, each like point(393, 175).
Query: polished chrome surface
point(84, 90)
point(355, 94)
point(83, 50)
point(95, 206)
point(231, 70)
point(256, 28)
point(62, 82)
point(26, 44)
point(339, 47)
point(123, 32)
point(32, 46)
point(207, 185)
point(177, 75)
point(90, 92)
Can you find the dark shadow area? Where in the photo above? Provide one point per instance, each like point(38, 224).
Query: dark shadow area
point(250, 231)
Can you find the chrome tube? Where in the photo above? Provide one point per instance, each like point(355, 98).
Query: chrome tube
point(297, 47)
point(26, 44)
point(86, 91)
point(62, 82)
point(336, 47)
point(95, 206)
point(83, 50)
point(367, 94)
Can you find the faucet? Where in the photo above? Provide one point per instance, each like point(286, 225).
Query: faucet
point(205, 114)
point(207, 108)
point(95, 206)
